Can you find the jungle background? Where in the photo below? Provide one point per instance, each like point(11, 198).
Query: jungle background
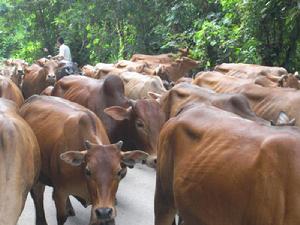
point(251, 31)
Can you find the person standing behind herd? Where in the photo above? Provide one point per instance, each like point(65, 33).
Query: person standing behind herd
point(64, 50)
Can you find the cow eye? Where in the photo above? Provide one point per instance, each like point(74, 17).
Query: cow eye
point(139, 124)
point(87, 172)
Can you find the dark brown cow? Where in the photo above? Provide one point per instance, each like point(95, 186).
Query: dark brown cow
point(9, 90)
point(19, 162)
point(266, 102)
point(216, 168)
point(137, 123)
point(77, 158)
point(37, 78)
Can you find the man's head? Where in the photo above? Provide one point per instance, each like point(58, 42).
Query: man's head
point(60, 41)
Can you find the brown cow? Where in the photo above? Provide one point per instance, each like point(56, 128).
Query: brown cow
point(216, 168)
point(166, 65)
point(77, 158)
point(266, 102)
point(137, 123)
point(47, 90)
point(37, 78)
point(19, 162)
point(9, 90)
point(184, 94)
point(154, 59)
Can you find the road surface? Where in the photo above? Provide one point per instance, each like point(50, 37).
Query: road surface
point(135, 202)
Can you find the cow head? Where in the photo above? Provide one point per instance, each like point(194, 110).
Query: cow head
point(101, 166)
point(145, 120)
point(49, 69)
point(18, 63)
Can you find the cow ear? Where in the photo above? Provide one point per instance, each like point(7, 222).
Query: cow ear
point(118, 113)
point(74, 158)
point(132, 157)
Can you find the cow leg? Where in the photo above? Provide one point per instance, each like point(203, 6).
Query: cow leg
point(60, 200)
point(37, 194)
point(164, 209)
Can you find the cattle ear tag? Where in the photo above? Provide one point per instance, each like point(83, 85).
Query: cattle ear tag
point(130, 158)
point(73, 158)
point(118, 113)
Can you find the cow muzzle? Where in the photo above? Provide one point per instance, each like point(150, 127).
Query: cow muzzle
point(20, 72)
point(51, 78)
point(151, 161)
point(104, 216)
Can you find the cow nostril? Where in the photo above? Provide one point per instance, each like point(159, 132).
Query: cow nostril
point(155, 161)
point(104, 213)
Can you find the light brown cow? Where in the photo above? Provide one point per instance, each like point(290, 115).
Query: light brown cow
point(265, 77)
point(14, 69)
point(19, 162)
point(89, 71)
point(251, 70)
point(77, 158)
point(9, 90)
point(138, 85)
point(216, 168)
point(266, 102)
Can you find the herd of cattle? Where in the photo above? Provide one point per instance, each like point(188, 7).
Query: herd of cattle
point(225, 144)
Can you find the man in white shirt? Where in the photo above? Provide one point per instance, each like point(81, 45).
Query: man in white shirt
point(64, 50)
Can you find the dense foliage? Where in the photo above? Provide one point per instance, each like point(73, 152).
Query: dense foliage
point(253, 31)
